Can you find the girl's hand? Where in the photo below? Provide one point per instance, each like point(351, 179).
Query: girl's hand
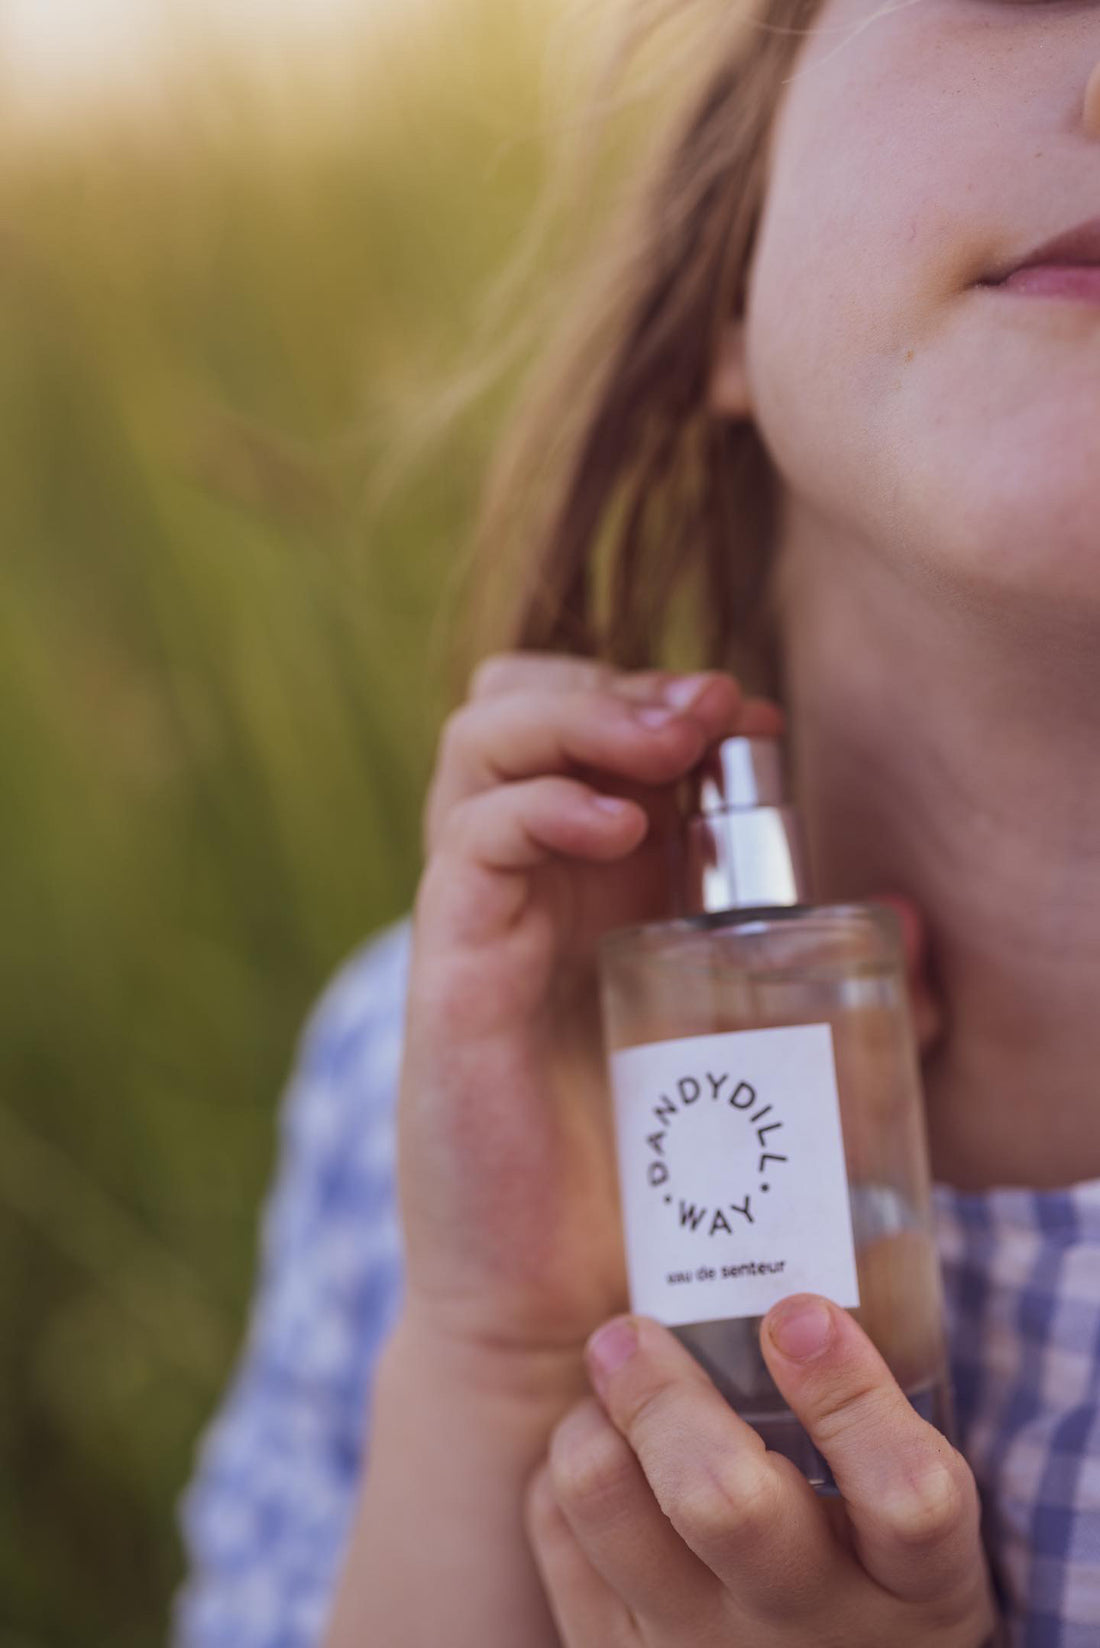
point(506, 1169)
point(659, 1517)
point(506, 1164)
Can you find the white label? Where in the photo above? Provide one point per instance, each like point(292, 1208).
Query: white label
point(731, 1167)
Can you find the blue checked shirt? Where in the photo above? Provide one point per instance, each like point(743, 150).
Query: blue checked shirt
point(268, 1512)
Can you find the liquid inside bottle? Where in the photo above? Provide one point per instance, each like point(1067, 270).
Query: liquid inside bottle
point(822, 1174)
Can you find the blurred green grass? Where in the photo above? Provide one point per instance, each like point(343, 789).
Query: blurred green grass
point(220, 687)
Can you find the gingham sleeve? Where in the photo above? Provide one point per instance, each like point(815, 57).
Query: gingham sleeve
point(1021, 1268)
point(265, 1517)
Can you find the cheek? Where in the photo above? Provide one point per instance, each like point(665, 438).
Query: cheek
point(832, 283)
point(960, 437)
point(868, 244)
point(822, 331)
point(873, 226)
point(902, 408)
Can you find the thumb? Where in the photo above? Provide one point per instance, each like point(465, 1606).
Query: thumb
point(911, 1498)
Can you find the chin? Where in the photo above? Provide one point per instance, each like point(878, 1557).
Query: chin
point(1039, 573)
point(1025, 525)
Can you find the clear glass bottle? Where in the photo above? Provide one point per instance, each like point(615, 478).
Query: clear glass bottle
point(769, 1117)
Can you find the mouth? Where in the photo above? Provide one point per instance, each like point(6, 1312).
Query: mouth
point(1068, 266)
point(1052, 280)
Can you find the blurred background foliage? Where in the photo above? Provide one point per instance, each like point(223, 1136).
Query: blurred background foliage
point(221, 314)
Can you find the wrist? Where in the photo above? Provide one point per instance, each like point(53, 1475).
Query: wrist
point(423, 1351)
point(455, 1434)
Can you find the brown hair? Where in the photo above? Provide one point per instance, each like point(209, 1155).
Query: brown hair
point(615, 492)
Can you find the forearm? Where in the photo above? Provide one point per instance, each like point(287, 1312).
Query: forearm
point(438, 1551)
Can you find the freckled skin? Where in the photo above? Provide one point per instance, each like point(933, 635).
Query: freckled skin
point(937, 554)
point(953, 430)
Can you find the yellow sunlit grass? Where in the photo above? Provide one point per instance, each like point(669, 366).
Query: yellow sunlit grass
point(224, 312)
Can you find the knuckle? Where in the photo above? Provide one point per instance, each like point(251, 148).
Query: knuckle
point(651, 1409)
point(591, 1466)
point(540, 1503)
point(738, 1501)
point(594, 706)
point(631, 685)
point(453, 732)
point(490, 674)
point(937, 1503)
point(844, 1411)
point(456, 832)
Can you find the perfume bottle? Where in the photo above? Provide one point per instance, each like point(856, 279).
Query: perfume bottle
point(768, 1110)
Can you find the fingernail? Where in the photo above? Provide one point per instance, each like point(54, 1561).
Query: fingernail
point(612, 1345)
point(686, 689)
point(655, 715)
point(801, 1328)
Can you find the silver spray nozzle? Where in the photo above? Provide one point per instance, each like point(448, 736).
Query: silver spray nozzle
point(743, 843)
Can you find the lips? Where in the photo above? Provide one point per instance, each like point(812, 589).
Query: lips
point(1055, 280)
point(1077, 247)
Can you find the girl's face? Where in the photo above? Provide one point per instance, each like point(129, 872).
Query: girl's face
point(951, 429)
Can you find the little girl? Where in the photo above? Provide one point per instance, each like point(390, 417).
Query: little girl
point(834, 382)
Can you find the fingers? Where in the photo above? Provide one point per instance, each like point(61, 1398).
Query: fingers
point(586, 1609)
point(911, 1498)
point(558, 672)
point(470, 885)
point(746, 1513)
point(603, 1493)
point(531, 712)
point(501, 736)
point(515, 671)
point(515, 735)
point(556, 758)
